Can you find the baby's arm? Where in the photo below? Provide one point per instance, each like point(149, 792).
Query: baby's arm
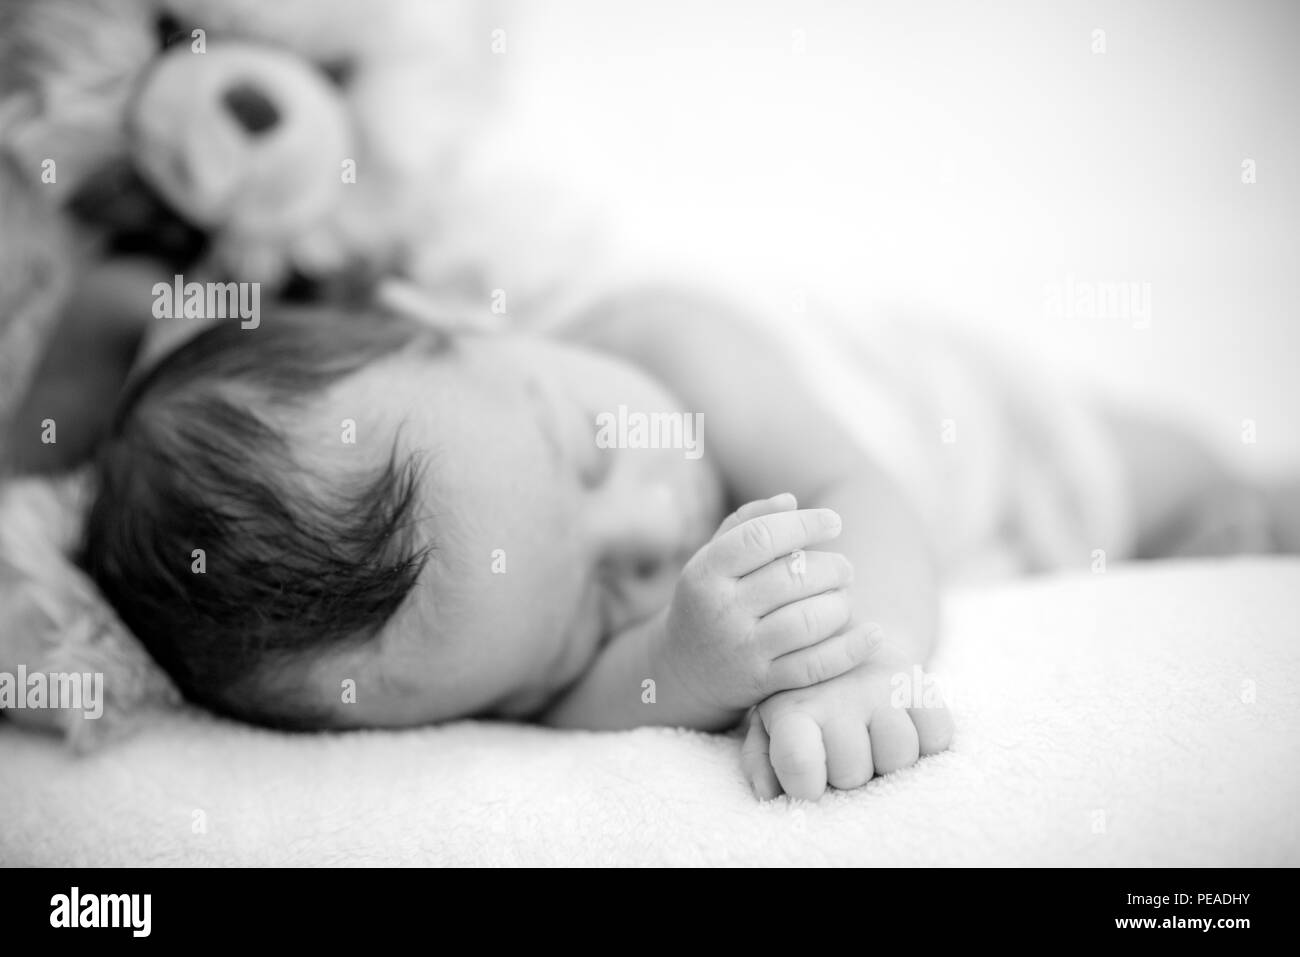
point(755, 612)
point(765, 430)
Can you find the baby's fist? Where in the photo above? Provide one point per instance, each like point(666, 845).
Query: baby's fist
point(756, 613)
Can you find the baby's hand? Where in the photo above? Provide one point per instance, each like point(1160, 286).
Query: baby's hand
point(755, 614)
point(842, 732)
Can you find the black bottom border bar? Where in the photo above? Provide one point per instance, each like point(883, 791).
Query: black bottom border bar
point(931, 907)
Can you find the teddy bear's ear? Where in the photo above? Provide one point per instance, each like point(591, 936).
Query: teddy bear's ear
point(35, 278)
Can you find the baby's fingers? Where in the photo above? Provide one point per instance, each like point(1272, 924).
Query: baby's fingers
point(848, 752)
point(802, 624)
point(785, 502)
point(754, 761)
point(836, 655)
point(798, 755)
point(934, 728)
point(755, 542)
point(796, 576)
point(894, 742)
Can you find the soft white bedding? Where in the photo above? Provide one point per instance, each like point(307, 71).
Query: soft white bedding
point(1144, 716)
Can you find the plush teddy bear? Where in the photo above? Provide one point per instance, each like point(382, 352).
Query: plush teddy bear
point(306, 146)
point(290, 144)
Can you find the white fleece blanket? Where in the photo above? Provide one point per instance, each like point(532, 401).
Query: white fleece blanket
point(1143, 716)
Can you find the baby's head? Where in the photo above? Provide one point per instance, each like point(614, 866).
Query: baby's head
point(356, 520)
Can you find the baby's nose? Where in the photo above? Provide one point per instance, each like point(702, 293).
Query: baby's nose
point(642, 553)
point(639, 583)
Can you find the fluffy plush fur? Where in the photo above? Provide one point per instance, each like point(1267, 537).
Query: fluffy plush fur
point(125, 128)
point(52, 618)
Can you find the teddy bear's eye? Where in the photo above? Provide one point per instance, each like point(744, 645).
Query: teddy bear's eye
point(339, 72)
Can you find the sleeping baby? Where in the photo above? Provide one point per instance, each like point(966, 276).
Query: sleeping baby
point(364, 520)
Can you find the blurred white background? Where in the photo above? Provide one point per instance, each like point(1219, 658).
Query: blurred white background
point(959, 158)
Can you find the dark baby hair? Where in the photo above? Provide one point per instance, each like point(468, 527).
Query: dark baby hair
point(297, 563)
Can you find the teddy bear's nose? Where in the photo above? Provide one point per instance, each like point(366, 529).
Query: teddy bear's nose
point(251, 108)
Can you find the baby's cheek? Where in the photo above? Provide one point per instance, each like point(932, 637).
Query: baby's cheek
point(560, 631)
